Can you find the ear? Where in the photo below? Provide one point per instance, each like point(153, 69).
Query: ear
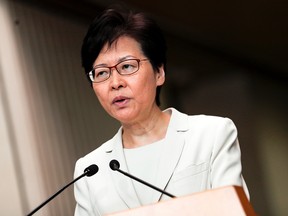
point(160, 76)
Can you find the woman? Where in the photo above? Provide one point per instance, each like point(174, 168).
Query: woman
point(124, 56)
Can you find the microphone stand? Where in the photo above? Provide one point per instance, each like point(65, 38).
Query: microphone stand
point(114, 165)
point(145, 183)
point(89, 171)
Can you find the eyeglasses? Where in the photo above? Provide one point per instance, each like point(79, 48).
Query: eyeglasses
point(124, 68)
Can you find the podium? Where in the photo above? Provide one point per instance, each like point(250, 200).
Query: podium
point(224, 201)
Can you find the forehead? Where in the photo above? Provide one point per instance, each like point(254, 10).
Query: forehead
point(120, 48)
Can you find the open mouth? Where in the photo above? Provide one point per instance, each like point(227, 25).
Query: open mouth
point(120, 100)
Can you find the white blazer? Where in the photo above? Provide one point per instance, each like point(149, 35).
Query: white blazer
point(202, 152)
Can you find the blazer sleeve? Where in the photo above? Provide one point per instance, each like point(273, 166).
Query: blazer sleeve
point(81, 193)
point(226, 168)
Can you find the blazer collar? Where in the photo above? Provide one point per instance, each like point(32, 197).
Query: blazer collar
point(123, 184)
point(168, 159)
point(171, 155)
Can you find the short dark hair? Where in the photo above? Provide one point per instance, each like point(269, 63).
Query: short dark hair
point(113, 23)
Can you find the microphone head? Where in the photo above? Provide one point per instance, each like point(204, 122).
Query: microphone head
point(114, 165)
point(91, 170)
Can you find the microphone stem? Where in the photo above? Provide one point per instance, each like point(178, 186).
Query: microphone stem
point(146, 183)
point(54, 195)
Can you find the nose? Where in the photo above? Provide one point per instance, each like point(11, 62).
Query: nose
point(116, 80)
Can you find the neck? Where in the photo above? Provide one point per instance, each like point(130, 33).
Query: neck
point(147, 131)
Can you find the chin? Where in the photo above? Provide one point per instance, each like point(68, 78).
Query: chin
point(123, 116)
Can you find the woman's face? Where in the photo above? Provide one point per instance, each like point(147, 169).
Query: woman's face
point(131, 98)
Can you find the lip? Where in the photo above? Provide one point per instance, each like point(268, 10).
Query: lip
point(120, 100)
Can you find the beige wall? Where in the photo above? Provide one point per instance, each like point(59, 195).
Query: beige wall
point(18, 158)
point(49, 115)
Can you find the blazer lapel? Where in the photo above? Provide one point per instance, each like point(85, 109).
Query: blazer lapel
point(172, 152)
point(169, 159)
point(122, 183)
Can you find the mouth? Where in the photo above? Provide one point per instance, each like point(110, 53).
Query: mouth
point(120, 100)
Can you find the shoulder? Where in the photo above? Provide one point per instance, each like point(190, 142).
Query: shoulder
point(97, 155)
point(200, 122)
point(209, 121)
point(91, 158)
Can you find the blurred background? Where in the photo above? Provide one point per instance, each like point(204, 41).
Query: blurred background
point(225, 58)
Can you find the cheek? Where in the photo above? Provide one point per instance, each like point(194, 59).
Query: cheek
point(146, 90)
point(100, 94)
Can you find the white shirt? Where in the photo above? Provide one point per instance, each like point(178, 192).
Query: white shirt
point(143, 162)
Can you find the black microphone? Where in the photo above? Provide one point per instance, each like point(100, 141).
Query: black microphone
point(89, 171)
point(115, 165)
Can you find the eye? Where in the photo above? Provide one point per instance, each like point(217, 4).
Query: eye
point(128, 66)
point(101, 72)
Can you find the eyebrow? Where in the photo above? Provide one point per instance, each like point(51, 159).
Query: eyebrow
point(119, 60)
